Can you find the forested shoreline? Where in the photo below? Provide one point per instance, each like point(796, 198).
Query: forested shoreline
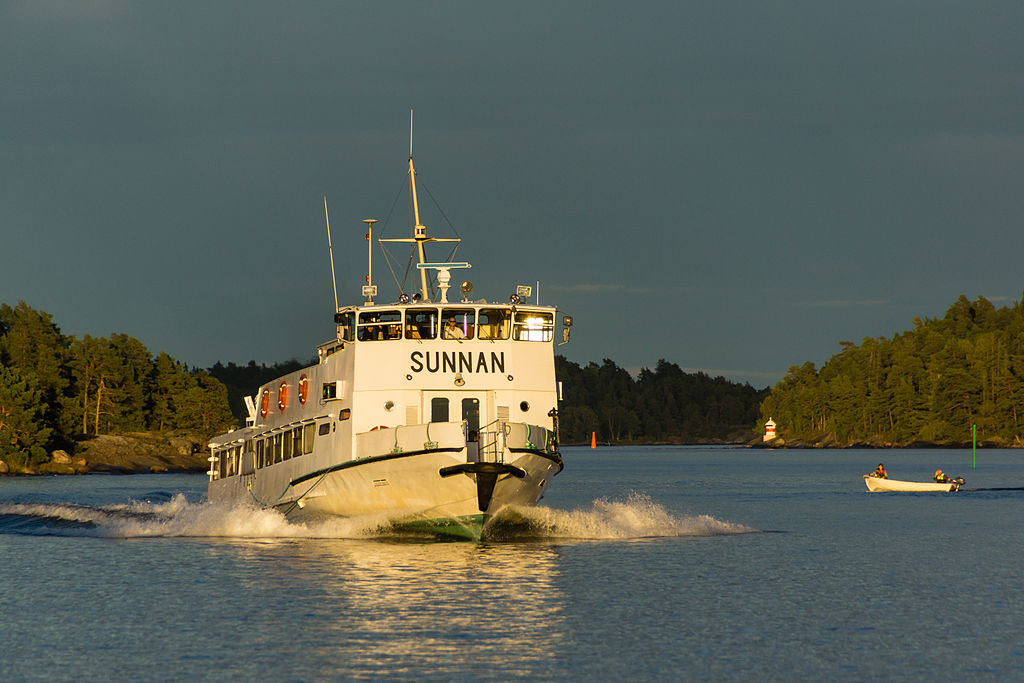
point(927, 386)
point(56, 389)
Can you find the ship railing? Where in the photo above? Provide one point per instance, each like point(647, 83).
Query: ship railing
point(500, 436)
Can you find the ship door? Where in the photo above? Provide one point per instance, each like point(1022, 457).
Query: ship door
point(471, 416)
point(456, 407)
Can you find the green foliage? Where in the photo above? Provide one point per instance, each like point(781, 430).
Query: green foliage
point(665, 405)
point(54, 386)
point(23, 431)
point(929, 384)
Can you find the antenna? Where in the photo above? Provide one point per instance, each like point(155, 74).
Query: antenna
point(410, 133)
point(369, 291)
point(330, 250)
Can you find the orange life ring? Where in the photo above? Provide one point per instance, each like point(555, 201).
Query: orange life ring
point(282, 396)
point(303, 389)
point(265, 403)
point(379, 427)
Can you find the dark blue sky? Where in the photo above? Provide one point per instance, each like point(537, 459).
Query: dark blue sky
point(733, 187)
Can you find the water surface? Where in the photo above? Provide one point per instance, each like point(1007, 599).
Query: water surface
point(642, 563)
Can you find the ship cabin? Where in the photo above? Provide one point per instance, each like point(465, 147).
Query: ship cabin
point(405, 375)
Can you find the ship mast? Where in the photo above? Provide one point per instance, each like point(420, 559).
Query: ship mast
point(419, 232)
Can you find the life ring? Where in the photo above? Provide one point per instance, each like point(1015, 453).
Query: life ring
point(303, 389)
point(282, 396)
point(379, 427)
point(265, 403)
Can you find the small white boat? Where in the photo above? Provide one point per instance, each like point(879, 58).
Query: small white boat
point(877, 484)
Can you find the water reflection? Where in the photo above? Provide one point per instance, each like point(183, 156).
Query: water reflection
point(373, 606)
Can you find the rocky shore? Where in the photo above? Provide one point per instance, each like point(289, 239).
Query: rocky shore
point(135, 453)
point(829, 441)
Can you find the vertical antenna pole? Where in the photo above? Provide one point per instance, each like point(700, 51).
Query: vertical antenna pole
point(410, 133)
point(330, 250)
point(369, 291)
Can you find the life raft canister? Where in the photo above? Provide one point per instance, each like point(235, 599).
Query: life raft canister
point(282, 396)
point(303, 389)
point(265, 403)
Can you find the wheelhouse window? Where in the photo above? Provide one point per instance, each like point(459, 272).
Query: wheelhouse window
point(457, 323)
point(533, 326)
point(421, 323)
point(380, 325)
point(346, 326)
point(493, 323)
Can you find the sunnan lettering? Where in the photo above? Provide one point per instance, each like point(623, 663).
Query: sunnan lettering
point(452, 361)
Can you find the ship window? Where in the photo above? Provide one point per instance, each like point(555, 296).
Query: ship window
point(380, 325)
point(457, 323)
point(438, 409)
point(297, 441)
point(346, 326)
point(308, 432)
point(533, 326)
point(492, 323)
point(276, 439)
point(325, 428)
point(421, 323)
point(261, 452)
point(330, 390)
point(286, 445)
point(344, 414)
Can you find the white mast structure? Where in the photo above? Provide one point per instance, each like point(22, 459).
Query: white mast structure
point(419, 237)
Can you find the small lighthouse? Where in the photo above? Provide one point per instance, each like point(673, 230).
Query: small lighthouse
point(769, 429)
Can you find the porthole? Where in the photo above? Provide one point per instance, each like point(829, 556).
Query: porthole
point(524, 406)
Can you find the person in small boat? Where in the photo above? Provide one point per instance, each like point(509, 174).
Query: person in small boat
point(941, 477)
point(880, 473)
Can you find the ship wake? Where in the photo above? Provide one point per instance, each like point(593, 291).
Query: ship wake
point(637, 517)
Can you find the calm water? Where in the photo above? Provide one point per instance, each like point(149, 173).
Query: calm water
point(643, 564)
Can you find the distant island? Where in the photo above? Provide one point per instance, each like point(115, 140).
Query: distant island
point(935, 385)
point(938, 384)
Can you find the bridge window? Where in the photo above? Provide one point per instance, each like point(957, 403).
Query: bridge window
point(492, 323)
point(533, 326)
point(457, 323)
point(346, 326)
point(421, 323)
point(380, 325)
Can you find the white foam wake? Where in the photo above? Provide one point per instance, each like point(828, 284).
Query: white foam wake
point(636, 517)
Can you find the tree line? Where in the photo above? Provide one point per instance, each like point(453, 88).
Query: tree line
point(54, 387)
point(663, 405)
point(929, 384)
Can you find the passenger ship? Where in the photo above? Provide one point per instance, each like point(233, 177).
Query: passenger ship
point(424, 414)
